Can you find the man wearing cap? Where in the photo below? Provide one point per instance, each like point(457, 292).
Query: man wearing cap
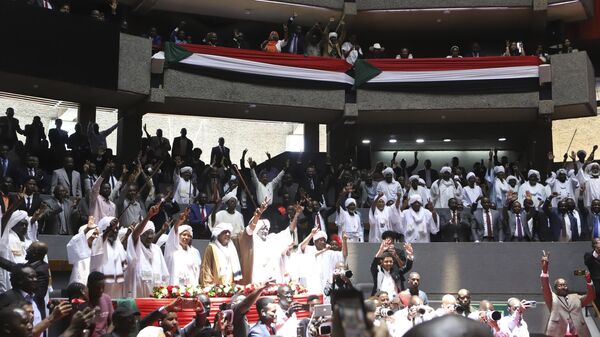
point(563, 185)
point(589, 178)
point(220, 262)
point(347, 217)
point(184, 190)
point(416, 222)
point(325, 259)
point(259, 251)
point(444, 189)
point(533, 190)
point(146, 266)
point(389, 187)
point(123, 320)
point(472, 193)
point(229, 215)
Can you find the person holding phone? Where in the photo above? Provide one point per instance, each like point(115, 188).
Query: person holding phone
point(267, 316)
point(167, 318)
point(565, 308)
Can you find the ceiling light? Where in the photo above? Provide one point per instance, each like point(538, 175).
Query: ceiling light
point(420, 140)
point(393, 141)
point(447, 140)
point(366, 141)
point(501, 139)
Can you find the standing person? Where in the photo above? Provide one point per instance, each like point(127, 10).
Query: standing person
point(220, 262)
point(229, 215)
point(389, 186)
point(68, 177)
point(58, 138)
point(23, 281)
point(533, 190)
point(100, 300)
point(183, 260)
point(97, 138)
point(9, 127)
point(218, 153)
point(472, 193)
point(286, 323)
point(487, 225)
point(417, 223)
point(146, 266)
point(167, 320)
point(383, 217)
point(267, 316)
point(61, 211)
point(34, 135)
point(183, 147)
point(323, 258)
point(199, 217)
point(100, 197)
point(444, 189)
point(565, 309)
point(262, 263)
point(589, 179)
point(273, 44)
point(109, 256)
point(428, 174)
point(347, 217)
point(387, 269)
point(79, 251)
point(592, 262)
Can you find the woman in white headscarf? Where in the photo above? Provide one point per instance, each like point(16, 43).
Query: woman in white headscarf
point(220, 262)
point(417, 223)
point(382, 217)
point(109, 257)
point(13, 244)
point(183, 260)
point(146, 266)
point(348, 219)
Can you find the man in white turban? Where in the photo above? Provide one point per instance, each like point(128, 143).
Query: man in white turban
point(259, 251)
point(533, 190)
point(563, 185)
point(389, 186)
point(417, 223)
point(146, 266)
point(322, 258)
point(383, 216)
point(229, 215)
point(499, 187)
point(220, 261)
point(348, 219)
point(417, 188)
point(589, 178)
point(445, 189)
point(184, 190)
point(14, 242)
point(109, 257)
point(79, 251)
point(472, 193)
point(183, 260)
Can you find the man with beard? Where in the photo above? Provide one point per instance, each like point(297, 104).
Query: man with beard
point(533, 190)
point(260, 251)
point(565, 308)
point(322, 258)
point(389, 187)
point(109, 256)
point(444, 189)
point(589, 179)
point(220, 262)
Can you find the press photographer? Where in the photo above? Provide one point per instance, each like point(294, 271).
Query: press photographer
point(340, 280)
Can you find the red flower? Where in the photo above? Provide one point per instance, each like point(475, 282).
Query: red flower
point(187, 294)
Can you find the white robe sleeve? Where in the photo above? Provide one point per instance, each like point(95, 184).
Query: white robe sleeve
point(78, 249)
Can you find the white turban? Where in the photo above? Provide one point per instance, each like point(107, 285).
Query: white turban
point(104, 223)
point(349, 201)
point(498, 169)
point(220, 228)
point(421, 181)
point(446, 169)
point(185, 228)
point(333, 34)
point(228, 197)
point(562, 170)
point(263, 222)
point(186, 169)
point(149, 226)
point(470, 175)
point(413, 177)
point(511, 177)
point(571, 173)
point(383, 197)
point(533, 172)
point(151, 331)
point(591, 166)
point(320, 235)
point(415, 198)
point(387, 170)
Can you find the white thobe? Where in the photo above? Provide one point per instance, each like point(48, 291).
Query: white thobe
point(390, 190)
point(592, 187)
point(146, 268)
point(470, 195)
point(79, 253)
point(564, 189)
point(324, 264)
point(350, 224)
point(380, 221)
point(538, 193)
point(417, 226)
point(267, 255)
point(444, 190)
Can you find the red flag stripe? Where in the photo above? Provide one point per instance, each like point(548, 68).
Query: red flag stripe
point(433, 64)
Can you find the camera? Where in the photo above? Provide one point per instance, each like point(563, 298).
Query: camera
point(346, 273)
point(493, 315)
point(459, 309)
point(384, 312)
point(579, 272)
point(421, 311)
point(325, 329)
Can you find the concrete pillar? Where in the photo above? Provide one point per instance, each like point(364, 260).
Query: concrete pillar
point(129, 135)
point(311, 137)
point(86, 113)
point(540, 142)
point(341, 142)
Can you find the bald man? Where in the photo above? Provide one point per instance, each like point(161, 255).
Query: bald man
point(15, 322)
point(35, 259)
point(464, 303)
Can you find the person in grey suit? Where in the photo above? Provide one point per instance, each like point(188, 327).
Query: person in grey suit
point(515, 219)
point(68, 177)
point(455, 223)
point(267, 314)
point(487, 225)
point(57, 219)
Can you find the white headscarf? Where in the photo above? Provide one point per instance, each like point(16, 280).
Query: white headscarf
point(511, 177)
point(387, 170)
point(413, 177)
point(186, 169)
point(6, 251)
point(350, 201)
point(470, 174)
point(415, 198)
point(104, 223)
point(185, 228)
point(533, 172)
point(320, 235)
point(498, 169)
point(226, 256)
point(446, 169)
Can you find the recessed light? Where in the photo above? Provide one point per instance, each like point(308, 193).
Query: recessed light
point(420, 140)
point(501, 139)
point(447, 140)
point(366, 141)
point(393, 141)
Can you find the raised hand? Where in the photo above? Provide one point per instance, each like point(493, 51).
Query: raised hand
point(154, 210)
point(175, 305)
point(550, 156)
point(588, 277)
point(572, 155)
point(408, 249)
point(545, 261)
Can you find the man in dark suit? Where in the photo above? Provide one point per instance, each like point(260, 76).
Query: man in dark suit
point(455, 224)
point(182, 146)
point(32, 170)
point(267, 314)
point(487, 225)
point(199, 217)
point(428, 174)
point(8, 167)
point(31, 198)
point(9, 127)
point(295, 42)
point(35, 260)
point(516, 222)
point(68, 177)
point(6, 198)
point(23, 279)
point(218, 153)
point(58, 137)
point(591, 218)
point(565, 223)
point(592, 262)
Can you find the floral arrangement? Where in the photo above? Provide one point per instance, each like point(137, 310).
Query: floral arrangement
point(220, 290)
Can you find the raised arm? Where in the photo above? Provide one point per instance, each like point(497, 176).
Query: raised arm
point(257, 213)
point(135, 235)
point(309, 237)
point(294, 222)
point(590, 296)
point(545, 278)
point(247, 303)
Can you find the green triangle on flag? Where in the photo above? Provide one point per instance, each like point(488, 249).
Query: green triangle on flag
point(363, 72)
point(175, 53)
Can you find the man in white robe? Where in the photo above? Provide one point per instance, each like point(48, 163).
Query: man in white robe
point(563, 185)
point(109, 257)
point(417, 223)
point(322, 258)
point(13, 244)
point(184, 191)
point(533, 190)
point(589, 178)
point(383, 217)
point(79, 252)
point(472, 193)
point(444, 189)
point(417, 188)
point(183, 260)
point(146, 266)
point(389, 187)
point(229, 215)
point(498, 185)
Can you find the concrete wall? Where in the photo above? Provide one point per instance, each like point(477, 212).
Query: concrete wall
point(573, 85)
point(134, 64)
point(415, 4)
